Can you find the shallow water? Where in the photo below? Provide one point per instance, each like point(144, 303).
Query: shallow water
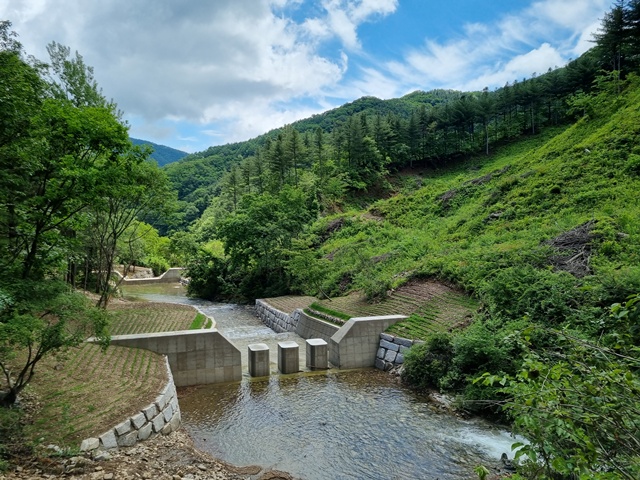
point(358, 424)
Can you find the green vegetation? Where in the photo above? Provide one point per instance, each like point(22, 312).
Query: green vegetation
point(521, 202)
point(73, 194)
point(201, 321)
point(524, 198)
point(316, 306)
point(145, 317)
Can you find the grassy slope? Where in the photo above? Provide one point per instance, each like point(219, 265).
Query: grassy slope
point(538, 188)
point(86, 391)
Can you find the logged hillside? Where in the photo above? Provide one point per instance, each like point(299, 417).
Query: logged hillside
point(469, 223)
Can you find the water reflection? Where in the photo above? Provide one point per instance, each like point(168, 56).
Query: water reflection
point(356, 425)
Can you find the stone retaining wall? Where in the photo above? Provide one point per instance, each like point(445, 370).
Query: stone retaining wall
point(159, 417)
point(298, 322)
point(392, 350)
point(276, 320)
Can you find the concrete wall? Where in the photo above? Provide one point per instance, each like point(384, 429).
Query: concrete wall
point(161, 416)
point(195, 356)
point(391, 351)
point(356, 344)
point(173, 275)
point(309, 327)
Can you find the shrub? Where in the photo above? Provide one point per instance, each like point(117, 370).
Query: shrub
point(542, 295)
point(426, 363)
point(159, 265)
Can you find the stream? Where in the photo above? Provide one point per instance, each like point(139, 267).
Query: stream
point(357, 424)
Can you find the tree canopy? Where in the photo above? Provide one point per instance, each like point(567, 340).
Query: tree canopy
point(71, 186)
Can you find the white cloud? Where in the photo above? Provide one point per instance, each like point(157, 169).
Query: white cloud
point(193, 61)
point(344, 17)
point(536, 61)
point(542, 36)
point(233, 69)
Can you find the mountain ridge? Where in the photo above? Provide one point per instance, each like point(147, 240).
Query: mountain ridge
point(162, 154)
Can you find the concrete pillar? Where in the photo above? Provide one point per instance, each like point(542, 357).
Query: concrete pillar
point(317, 354)
point(258, 360)
point(288, 357)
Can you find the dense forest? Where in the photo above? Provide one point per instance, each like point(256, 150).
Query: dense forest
point(524, 197)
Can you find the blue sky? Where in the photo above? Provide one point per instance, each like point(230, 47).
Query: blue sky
point(192, 74)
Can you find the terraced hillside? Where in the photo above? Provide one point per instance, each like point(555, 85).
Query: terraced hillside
point(86, 391)
point(430, 305)
point(148, 317)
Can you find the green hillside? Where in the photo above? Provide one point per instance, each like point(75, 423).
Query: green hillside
point(162, 154)
point(543, 233)
point(468, 222)
point(505, 224)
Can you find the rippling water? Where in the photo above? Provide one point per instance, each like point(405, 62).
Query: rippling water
point(357, 424)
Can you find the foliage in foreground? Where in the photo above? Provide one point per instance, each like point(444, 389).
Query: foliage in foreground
point(38, 319)
point(578, 403)
point(73, 192)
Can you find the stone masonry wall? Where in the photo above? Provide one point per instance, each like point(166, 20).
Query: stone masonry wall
point(162, 416)
point(391, 351)
point(275, 319)
point(356, 344)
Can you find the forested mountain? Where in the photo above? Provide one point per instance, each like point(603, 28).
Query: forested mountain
point(525, 197)
point(196, 177)
point(362, 141)
point(162, 154)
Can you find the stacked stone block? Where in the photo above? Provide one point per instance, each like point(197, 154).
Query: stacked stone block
point(276, 320)
point(392, 350)
point(160, 417)
point(356, 344)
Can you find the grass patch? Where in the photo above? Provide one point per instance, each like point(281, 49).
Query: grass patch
point(430, 305)
point(149, 317)
point(199, 322)
point(327, 311)
point(86, 391)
